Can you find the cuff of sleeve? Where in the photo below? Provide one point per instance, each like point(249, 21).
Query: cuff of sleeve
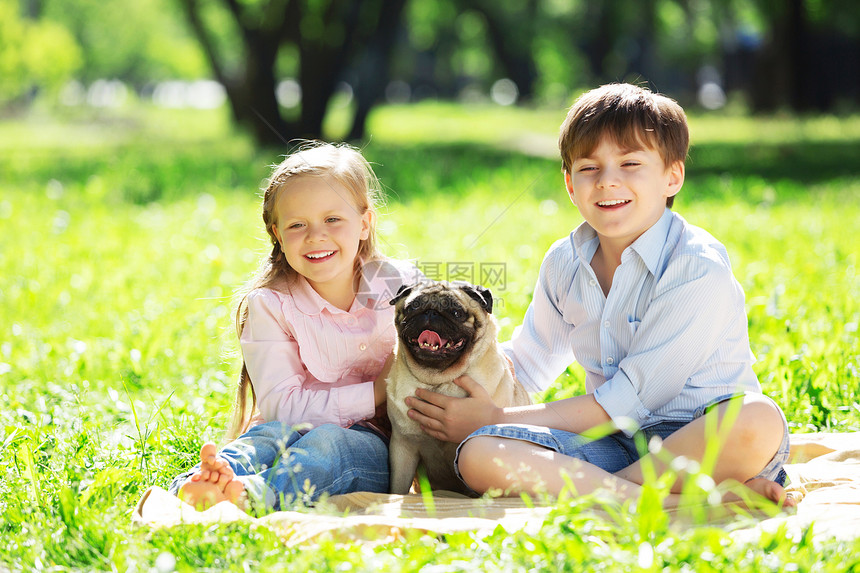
point(355, 403)
point(619, 399)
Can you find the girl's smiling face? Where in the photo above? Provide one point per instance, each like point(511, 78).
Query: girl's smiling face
point(622, 192)
point(319, 230)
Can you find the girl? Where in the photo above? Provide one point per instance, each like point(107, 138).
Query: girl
point(315, 329)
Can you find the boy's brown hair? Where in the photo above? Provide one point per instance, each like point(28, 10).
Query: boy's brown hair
point(632, 116)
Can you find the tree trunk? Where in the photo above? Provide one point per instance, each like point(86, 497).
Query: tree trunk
point(323, 58)
point(263, 114)
point(512, 39)
point(600, 41)
point(779, 67)
point(373, 70)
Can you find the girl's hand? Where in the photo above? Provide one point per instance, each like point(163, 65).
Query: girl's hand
point(379, 385)
point(452, 419)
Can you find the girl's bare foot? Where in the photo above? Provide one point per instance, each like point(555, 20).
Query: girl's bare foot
point(204, 494)
point(235, 493)
point(201, 495)
point(213, 469)
point(214, 482)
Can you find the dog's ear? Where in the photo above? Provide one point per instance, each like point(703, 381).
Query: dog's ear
point(482, 295)
point(402, 293)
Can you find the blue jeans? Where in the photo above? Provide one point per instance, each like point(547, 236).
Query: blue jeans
point(278, 464)
point(616, 451)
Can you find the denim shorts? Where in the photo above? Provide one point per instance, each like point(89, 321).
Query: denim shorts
point(616, 451)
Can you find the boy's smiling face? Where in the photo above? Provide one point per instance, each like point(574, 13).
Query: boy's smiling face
point(622, 192)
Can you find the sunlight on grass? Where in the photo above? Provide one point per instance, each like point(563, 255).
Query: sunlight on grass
point(123, 238)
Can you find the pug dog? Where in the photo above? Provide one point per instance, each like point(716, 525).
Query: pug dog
point(444, 330)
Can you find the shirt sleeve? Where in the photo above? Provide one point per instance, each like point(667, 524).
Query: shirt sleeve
point(540, 348)
point(281, 382)
point(696, 305)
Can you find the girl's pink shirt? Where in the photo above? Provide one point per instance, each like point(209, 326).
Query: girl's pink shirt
point(313, 363)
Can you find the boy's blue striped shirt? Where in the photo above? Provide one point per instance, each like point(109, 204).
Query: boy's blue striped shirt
point(671, 335)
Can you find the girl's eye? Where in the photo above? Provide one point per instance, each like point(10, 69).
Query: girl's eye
point(332, 219)
point(294, 226)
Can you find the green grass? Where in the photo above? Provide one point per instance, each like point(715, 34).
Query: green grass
point(123, 237)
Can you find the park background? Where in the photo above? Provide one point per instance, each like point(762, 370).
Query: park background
point(135, 137)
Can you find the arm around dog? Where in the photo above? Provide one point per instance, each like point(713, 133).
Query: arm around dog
point(453, 419)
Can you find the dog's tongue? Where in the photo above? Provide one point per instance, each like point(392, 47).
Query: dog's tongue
point(428, 337)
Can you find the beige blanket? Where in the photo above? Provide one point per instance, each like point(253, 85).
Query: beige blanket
point(824, 472)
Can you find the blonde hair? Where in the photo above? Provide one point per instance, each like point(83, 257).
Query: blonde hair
point(349, 168)
point(632, 116)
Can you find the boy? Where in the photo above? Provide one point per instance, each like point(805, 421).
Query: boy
point(648, 305)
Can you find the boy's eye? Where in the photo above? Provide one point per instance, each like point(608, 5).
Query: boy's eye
point(587, 168)
point(294, 226)
point(332, 219)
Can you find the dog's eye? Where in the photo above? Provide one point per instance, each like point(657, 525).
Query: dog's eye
point(457, 313)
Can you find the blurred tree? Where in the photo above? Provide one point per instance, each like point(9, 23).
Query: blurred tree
point(34, 54)
point(427, 60)
point(811, 55)
point(138, 42)
point(798, 54)
point(326, 36)
point(373, 68)
point(455, 48)
point(511, 30)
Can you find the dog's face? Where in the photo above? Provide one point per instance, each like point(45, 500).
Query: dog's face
point(438, 323)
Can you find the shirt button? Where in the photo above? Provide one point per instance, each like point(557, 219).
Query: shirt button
point(592, 282)
point(606, 324)
point(610, 360)
point(362, 346)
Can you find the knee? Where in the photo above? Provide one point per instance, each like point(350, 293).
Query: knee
point(479, 460)
point(343, 447)
point(323, 441)
point(762, 424)
point(326, 432)
point(269, 430)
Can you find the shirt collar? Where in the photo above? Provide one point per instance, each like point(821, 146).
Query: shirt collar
point(585, 242)
point(649, 246)
point(307, 300)
point(377, 285)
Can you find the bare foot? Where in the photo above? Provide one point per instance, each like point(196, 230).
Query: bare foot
point(760, 487)
point(213, 469)
point(772, 491)
point(214, 482)
point(201, 495)
point(204, 494)
point(235, 493)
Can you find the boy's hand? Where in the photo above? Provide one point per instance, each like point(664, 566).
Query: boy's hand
point(452, 419)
